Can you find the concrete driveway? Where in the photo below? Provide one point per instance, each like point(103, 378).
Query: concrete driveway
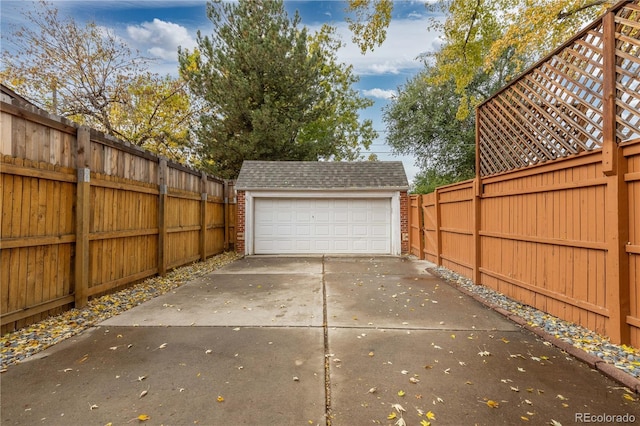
point(309, 341)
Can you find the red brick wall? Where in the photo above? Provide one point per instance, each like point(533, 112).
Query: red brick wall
point(404, 222)
point(240, 231)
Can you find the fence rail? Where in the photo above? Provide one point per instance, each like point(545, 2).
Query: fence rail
point(84, 214)
point(552, 218)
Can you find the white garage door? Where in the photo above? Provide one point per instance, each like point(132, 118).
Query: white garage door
point(322, 225)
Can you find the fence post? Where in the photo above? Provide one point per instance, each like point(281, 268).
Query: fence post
point(609, 145)
point(203, 216)
point(477, 247)
point(162, 212)
point(436, 200)
point(617, 209)
point(83, 212)
point(421, 230)
point(617, 260)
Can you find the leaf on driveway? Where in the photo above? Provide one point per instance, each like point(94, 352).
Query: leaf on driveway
point(399, 408)
point(492, 404)
point(143, 417)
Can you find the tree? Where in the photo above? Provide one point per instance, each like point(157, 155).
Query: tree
point(422, 121)
point(87, 74)
point(370, 23)
point(272, 91)
point(477, 33)
point(156, 113)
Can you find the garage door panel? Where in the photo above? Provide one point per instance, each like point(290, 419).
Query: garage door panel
point(322, 226)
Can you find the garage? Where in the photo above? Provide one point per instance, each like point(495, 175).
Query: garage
point(322, 225)
point(297, 207)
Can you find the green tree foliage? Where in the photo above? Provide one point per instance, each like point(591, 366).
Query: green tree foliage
point(422, 121)
point(89, 75)
point(270, 90)
point(156, 113)
point(370, 22)
point(477, 33)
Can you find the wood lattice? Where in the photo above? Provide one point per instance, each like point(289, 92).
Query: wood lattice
point(555, 109)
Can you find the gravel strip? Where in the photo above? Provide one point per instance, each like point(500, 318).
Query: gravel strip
point(622, 357)
point(20, 344)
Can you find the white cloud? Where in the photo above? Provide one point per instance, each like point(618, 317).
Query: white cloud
point(380, 93)
point(406, 40)
point(160, 38)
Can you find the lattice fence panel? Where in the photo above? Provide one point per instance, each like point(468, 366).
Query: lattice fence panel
point(628, 70)
point(555, 109)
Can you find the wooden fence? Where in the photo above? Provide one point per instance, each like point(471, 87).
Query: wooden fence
point(552, 218)
point(84, 214)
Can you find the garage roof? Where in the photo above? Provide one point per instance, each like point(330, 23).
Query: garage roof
point(318, 175)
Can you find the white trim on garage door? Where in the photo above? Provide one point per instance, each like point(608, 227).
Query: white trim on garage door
point(322, 223)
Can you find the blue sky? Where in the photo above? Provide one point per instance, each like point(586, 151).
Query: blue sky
point(157, 28)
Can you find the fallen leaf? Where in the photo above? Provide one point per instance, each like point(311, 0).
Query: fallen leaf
point(404, 372)
point(141, 378)
point(413, 380)
point(401, 393)
point(162, 346)
point(515, 389)
point(208, 351)
point(628, 397)
point(93, 407)
point(524, 419)
point(561, 398)
point(392, 416)
point(143, 393)
point(371, 353)
point(425, 423)
point(296, 379)
point(373, 390)
point(143, 417)
point(484, 353)
point(430, 415)
point(220, 398)
point(399, 408)
point(555, 423)
point(492, 404)
point(522, 370)
point(113, 348)
point(401, 422)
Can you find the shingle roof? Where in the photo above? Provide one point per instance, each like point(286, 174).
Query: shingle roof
point(318, 175)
